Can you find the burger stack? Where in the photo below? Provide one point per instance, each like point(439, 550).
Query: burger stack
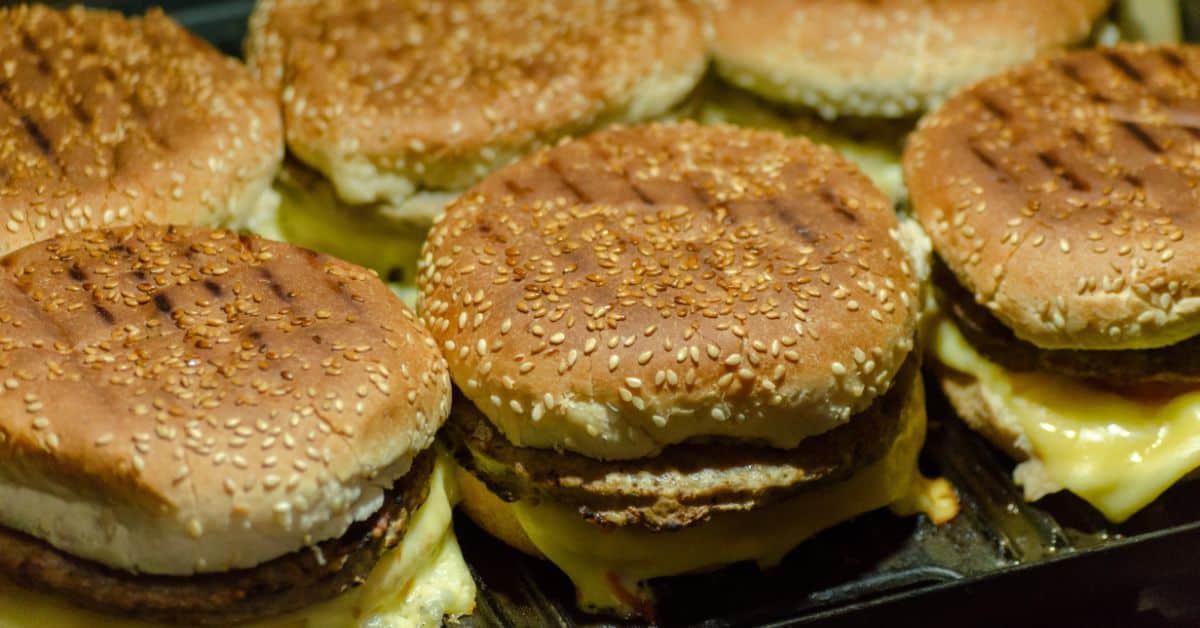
point(649, 340)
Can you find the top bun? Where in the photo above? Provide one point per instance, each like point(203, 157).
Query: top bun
point(384, 98)
point(1062, 193)
point(646, 286)
point(180, 400)
point(884, 58)
point(109, 120)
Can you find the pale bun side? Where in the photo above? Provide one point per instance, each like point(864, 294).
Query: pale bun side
point(110, 120)
point(179, 400)
point(491, 513)
point(889, 58)
point(645, 286)
point(1057, 193)
point(471, 86)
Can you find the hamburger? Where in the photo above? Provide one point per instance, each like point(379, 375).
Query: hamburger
point(676, 347)
point(391, 109)
point(1058, 196)
point(857, 73)
point(107, 120)
point(205, 428)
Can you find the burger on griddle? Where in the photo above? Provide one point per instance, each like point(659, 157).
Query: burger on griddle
point(392, 109)
point(856, 73)
point(202, 428)
point(678, 347)
point(1061, 200)
point(108, 120)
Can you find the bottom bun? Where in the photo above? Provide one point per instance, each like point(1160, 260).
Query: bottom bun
point(491, 513)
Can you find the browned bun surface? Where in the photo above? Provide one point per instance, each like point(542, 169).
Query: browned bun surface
point(386, 97)
point(651, 285)
point(1062, 195)
point(110, 120)
point(889, 58)
point(181, 400)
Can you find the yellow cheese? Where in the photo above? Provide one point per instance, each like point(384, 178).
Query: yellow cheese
point(1118, 453)
point(608, 566)
point(413, 586)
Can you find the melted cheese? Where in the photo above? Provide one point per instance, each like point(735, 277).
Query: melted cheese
point(415, 585)
point(609, 566)
point(1118, 453)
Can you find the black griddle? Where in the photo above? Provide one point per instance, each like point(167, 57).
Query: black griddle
point(1001, 562)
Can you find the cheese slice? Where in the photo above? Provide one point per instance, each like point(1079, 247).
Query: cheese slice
point(609, 566)
point(1118, 453)
point(415, 585)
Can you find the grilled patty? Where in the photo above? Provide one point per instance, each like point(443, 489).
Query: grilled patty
point(685, 484)
point(1177, 363)
point(285, 584)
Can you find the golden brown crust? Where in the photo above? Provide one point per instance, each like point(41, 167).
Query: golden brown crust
point(1060, 194)
point(649, 285)
point(884, 57)
point(106, 120)
point(439, 93)
point(243, 398)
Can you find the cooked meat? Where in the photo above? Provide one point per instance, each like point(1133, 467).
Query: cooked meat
point(1177, 363)
point(284, 584)
point(686, 483)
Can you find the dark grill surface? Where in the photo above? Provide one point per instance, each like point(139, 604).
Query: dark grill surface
point(1000, 562)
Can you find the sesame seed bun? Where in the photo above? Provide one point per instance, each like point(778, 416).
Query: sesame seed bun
point(386, 98)
point(109, 120)
point(651, 285)
point(888, 58)
point(244, 398)
point(1059, 194)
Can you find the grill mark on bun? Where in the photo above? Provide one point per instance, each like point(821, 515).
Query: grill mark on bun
point(77, 273)
point(1125, 66)
point(104, 314)
point(1143, 136)
point(838, 205)
point(1001, 173)
point(213, 287)
point(992, 107)
point(580, 195)
point(273, 284)
point(162, 303)
point(1071, 72)
point(1054, 165)
point(82, 116)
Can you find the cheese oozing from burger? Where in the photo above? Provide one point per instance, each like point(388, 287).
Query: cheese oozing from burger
point(1117, 452)
point(610, 565)
point(415, 585)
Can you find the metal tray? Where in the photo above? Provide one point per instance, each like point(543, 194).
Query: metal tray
point(1000, 562)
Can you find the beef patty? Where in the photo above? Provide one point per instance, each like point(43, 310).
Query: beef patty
point(1177, 363)
point(285, 584)
point(685, 484)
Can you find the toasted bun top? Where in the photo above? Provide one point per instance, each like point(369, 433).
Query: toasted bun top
point(650, 285)
point(884, 57)
point(438, 93)
point(1062, 192)
point(179, 400)
point(110, 120)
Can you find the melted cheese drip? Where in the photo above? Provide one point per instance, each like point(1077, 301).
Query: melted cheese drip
point(608, 566)
point(1117, 453)
point(413, 586)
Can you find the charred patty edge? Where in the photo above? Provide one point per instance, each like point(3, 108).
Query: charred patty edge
point(1177, 363)
point(626, 492)
point(288, 583)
